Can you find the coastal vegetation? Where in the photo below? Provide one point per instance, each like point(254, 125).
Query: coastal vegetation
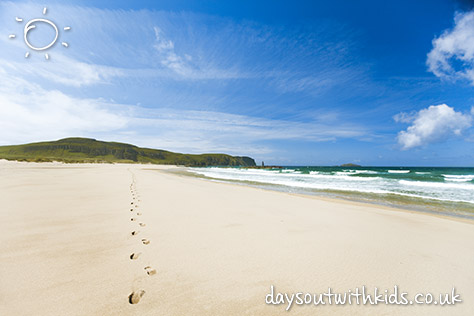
point(86, 150)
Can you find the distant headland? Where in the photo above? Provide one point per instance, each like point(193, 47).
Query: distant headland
point(350, 165)
point(87, 150)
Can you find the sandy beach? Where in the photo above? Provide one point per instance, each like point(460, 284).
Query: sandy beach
point(207, 248)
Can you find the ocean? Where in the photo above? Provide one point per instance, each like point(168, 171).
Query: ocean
point(446, 191)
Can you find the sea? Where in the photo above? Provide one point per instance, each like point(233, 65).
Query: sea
point(444, 191)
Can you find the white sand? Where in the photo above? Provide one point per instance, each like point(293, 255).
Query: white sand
point(66, 241)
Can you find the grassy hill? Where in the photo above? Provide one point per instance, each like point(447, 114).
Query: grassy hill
point(81, 150)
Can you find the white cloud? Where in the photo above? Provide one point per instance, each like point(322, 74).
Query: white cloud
point(29, 112)
point(433, 124)
point(454, 46)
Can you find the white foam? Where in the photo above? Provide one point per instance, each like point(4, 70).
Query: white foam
point(398, 171)
point(458, 178)
point(366, 171)
point(344, 173)
point(441, 185)
point(350, 182)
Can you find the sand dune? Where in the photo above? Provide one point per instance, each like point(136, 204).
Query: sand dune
point(208, 248)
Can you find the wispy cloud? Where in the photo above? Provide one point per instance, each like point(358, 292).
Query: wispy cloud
point(185, 66)
point(28, 112)
point(172, 64)
point(64, 71)
point(169, 58)
point(188, 46)
point(32, 113)
point(228, 130)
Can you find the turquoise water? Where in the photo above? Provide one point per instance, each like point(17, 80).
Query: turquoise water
point(447, 191)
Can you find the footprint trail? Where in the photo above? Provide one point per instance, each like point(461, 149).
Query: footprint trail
point(136, 295)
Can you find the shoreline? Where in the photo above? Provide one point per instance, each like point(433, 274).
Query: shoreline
point(337, 198)
point(68, 246)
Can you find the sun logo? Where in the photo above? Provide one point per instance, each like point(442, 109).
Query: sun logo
point(31, 25)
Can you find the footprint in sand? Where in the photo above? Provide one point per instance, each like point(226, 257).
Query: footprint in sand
point(133, 219)
point(142, 224)
point(131, 210)
point(135, 233)
point(135, 297)
point(149, 270)
point(145, 241)
point(135, 255)
point(139, 214)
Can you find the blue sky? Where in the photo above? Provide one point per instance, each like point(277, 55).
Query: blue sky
point(287, 82)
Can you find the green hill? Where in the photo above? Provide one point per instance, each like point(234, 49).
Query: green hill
point(81, 150)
